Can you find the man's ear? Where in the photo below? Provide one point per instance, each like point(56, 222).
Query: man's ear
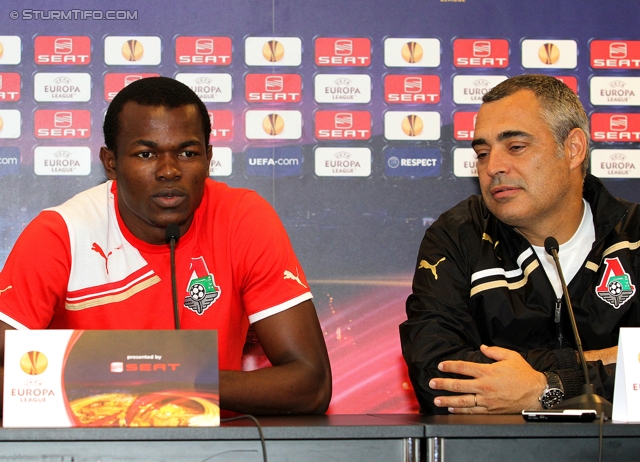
point(108, 159)
point(209, 154)
point(576, 146)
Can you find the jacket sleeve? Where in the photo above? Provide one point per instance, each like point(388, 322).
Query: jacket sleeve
point(565, 363)
point(440, 323)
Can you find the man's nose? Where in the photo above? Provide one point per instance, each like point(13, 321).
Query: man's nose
point(497, 162)
point(168, 167)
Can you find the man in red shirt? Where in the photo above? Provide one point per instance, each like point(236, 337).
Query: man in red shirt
point(100, 260)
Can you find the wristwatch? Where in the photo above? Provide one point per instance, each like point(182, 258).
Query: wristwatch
point(553, 392)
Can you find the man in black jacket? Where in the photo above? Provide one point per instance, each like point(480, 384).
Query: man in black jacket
point(487, 328)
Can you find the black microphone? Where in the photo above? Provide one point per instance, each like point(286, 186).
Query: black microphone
point(171, 236)
point(588, 399)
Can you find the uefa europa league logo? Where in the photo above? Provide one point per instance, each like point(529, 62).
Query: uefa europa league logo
point(34, 363)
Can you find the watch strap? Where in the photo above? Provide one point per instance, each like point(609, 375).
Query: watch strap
point(553, 392)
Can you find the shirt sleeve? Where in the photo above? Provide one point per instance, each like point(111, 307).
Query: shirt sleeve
point(33, 282)
point(272, 277)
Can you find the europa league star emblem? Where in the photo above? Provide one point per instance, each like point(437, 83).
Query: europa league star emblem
point(549, 53)
point(273, 124)
point(412, 125)
point(132, 50)
point(273, 51)
point(412, 52)
point(34, 363)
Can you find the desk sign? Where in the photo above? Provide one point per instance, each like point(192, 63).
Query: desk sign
point(626, 391)
point(110, 378)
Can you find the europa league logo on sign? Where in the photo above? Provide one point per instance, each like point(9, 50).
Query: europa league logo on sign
point(33, 363)
point(549, 53)
point(412, 52)
point(412, 125)
point(132, 50)
point(273, 124)
point(273, 51)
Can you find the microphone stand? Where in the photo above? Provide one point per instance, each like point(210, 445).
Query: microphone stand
point(172, 234)
point(588, 399)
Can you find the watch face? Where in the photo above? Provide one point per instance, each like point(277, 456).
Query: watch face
point(552, 397)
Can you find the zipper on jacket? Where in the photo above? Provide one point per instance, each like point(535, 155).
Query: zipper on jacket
point(557, 319)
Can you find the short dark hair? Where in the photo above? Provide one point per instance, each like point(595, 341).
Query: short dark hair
point(560, 106)
point(152, 91)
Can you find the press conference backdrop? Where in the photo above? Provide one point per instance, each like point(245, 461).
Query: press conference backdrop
point(352, 118)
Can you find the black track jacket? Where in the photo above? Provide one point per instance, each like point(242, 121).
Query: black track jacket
point(478, 281)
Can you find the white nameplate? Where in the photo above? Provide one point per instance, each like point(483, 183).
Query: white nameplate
point(99, 378)
point(626, 393)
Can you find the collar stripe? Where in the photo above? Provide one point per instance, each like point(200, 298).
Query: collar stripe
point(614, 248)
